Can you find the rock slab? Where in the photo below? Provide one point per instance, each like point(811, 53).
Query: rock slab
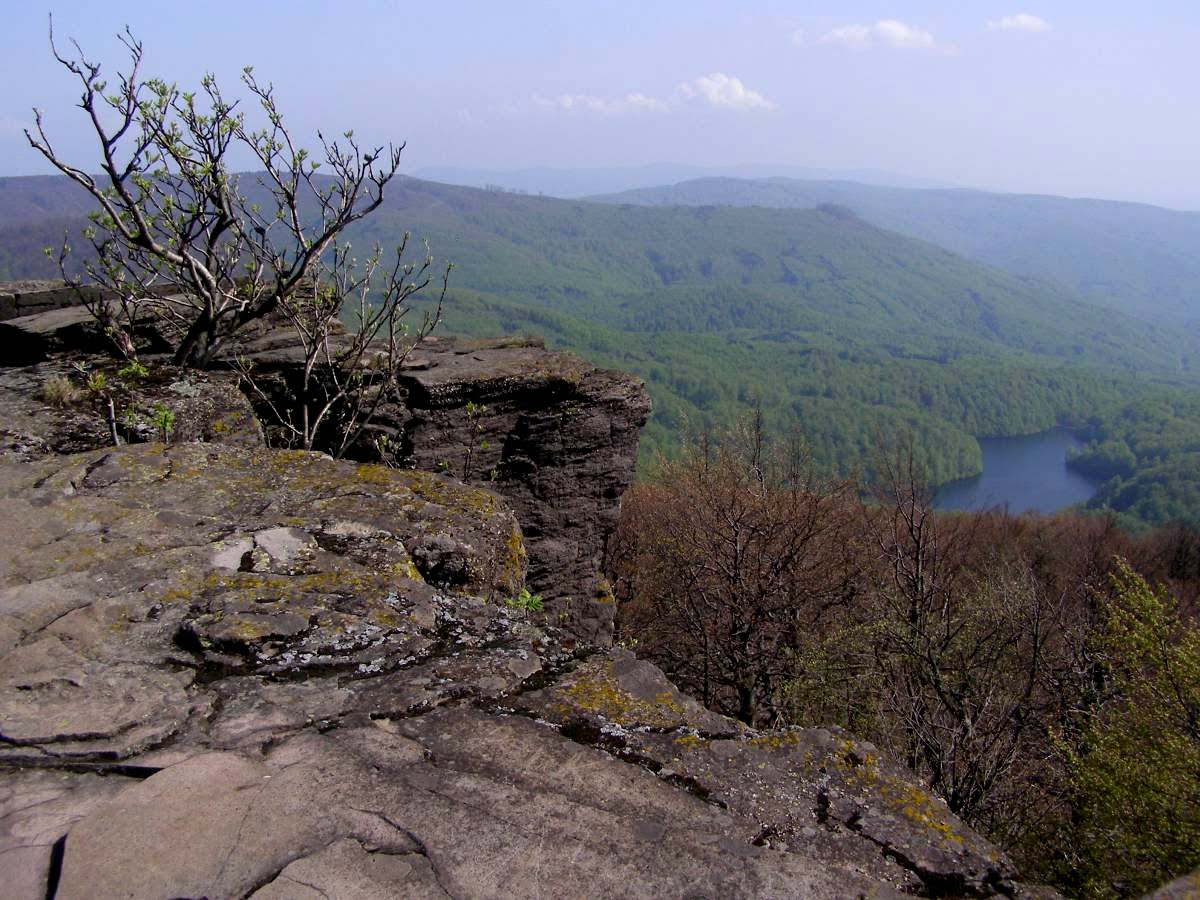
point(228, 672)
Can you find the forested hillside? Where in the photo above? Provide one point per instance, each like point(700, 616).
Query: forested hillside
point(842, 331)
point(1132, 257)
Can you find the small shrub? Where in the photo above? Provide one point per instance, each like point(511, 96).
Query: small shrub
point(97, 383)
point(133, 371)
point(162, 417)
point(526, 601)
point(59, 391)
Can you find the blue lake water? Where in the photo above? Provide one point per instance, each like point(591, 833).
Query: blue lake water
point(1023, 473)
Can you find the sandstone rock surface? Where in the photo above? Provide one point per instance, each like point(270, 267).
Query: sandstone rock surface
point(555, 435)
point(204, 407)
point(224, 673)
point(26, 298)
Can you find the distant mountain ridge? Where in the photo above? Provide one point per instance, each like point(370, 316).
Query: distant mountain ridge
point(1139, 259)
point(575, 183)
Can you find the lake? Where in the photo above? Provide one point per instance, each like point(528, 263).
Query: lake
point(1023, 473)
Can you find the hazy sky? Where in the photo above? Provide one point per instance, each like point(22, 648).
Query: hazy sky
point(1082, 98)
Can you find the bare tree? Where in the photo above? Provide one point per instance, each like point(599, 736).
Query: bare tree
point(966, 644)
point(343, 377)
point(723, 565)
point(177, 238)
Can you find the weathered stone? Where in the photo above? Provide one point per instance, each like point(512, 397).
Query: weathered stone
point(205, 407)
point(804, 786)
point(25, 298)
point(347, 868)
point(38, 807)
point(104, 665)
point(555, 435)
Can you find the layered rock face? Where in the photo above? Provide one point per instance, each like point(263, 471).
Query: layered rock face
point(232, 672)
point(554, 435)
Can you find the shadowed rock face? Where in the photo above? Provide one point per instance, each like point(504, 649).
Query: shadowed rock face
point(228, 672)
point(554, 435)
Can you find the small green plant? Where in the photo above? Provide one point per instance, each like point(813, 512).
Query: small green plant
point(97, 383)
point(162, 417)
point(526, 601)
point(475, 413)
point(58, 391)
point(130, 420)
point(388, 449)
point(133, 371)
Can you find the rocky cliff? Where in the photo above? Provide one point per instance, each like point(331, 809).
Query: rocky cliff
point(230, 671)
point(555, 436)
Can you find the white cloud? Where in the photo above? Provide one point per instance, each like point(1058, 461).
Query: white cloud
point(641, 101)
point(1020, 22)
point(890, 32)
point(635, 102)
point(857, 37)
point(727, 91)
point(716, 89)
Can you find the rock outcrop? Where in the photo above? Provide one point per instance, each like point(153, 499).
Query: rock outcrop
point(232, 672)
point(26, 298)
point(229, 671)
point(556, 436)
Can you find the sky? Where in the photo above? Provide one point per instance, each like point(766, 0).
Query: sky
point(1087, 98)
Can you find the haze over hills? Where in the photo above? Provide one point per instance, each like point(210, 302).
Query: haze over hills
point(1132, 257)
point(838, 327)
point(822, 271)
point(573, 183)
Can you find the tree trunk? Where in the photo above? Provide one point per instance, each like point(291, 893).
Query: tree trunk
point(195, 350)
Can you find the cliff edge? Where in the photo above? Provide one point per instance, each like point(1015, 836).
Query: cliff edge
point(232, 671)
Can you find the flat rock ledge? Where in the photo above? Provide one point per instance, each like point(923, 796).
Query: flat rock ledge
point(235, 672)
